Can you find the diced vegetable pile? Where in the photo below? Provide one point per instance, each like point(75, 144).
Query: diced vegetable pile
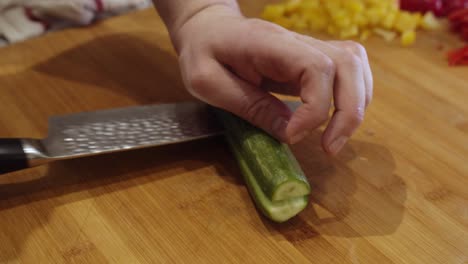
point(351, 18)
point(457, 13)
point(459, 23)
point(387, 19)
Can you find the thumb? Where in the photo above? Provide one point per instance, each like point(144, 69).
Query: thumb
point(214, 84)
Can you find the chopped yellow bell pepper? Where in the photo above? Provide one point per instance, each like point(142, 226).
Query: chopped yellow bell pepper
point(292, 6)
point(389, 20)
point(365, 35)
point(408, 38)
point(349, 32)
point(350, 18)
point(387, 35)
point(429, 21)
point(407, 21)
point(272, 12)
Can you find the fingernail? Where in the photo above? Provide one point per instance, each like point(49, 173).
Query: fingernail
point(336, 145)
point(299, 136)
point(279, 127)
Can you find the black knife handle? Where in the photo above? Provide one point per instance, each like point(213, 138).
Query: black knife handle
point(12, 156)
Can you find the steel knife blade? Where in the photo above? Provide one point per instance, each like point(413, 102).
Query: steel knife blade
point(91, 133)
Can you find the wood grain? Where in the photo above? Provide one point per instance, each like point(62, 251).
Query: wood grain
point(397, 194)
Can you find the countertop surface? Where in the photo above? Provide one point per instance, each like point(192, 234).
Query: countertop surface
point(398, 193)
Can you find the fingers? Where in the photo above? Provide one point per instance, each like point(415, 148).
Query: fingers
point(234, 79)
point(283, 59)
point(350, 91)
point(214, 84)
point(359, 51)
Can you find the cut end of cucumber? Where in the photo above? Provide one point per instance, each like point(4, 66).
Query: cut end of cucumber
point(291, 189)
point(284, 210)
point(279, 211)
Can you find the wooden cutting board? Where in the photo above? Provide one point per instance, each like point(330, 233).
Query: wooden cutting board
point(398, 193)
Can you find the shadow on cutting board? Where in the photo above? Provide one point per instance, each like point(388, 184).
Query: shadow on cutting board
point(356, 194)
point(110, 71)
point(123, 63)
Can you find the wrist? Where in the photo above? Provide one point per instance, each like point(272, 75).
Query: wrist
point(193, 19)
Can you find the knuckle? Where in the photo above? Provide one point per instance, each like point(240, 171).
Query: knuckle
point(356, 117)
point(327, 66)
point(259, 24)
point(322, 117)
point(321, 111)
point(200, 79)
point(256, 110)
point(354, 47)
point(350, 60)
point(323, 114)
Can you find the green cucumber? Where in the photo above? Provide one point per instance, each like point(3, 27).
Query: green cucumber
point(273, 176)
point(279, 211)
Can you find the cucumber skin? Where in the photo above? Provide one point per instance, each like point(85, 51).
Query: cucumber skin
point(268, 159)
point(276, 211)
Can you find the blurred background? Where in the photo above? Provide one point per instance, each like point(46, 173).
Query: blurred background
point(390, 20)
point(23, 19)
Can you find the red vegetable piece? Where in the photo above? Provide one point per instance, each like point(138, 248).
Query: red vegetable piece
point(458, 14)
point(464, 50)
point(460, 62)
point(436, 6)
point(456, 26)
point(453, 5)
point(465, 34)
point(459, 20)
point(464, 20)
point(458, 57)
point(455, 54)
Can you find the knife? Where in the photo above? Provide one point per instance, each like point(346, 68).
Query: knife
point(107, 131)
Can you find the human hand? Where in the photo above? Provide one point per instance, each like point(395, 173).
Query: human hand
point(233, 62)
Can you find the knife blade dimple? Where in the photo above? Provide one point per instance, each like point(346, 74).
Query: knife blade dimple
point(128, 128)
